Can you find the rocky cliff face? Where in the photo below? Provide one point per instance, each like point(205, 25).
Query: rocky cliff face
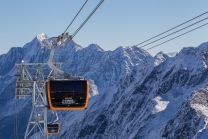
point(133, 95)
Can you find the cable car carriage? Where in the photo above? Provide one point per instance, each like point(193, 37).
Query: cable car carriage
point(71, 92)
point(67, 94)
point(53, 128)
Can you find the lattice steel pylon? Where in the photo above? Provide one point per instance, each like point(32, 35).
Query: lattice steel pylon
point(30, 81)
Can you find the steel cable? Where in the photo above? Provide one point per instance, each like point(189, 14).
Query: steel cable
point(177, 36)
point(76, 16)
point(87, 18)
point(148, 39)
point(173, 28)
point(81, 69)
point(175, 32)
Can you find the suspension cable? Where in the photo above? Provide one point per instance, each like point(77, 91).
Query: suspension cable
point(73, 35)
point(108, 59)
point(174, 32)
point(177, 36)
point(88, 18)
point(76, 16)
point(173, 28)
point(80, 69)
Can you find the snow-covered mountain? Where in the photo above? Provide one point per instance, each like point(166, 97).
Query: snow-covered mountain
point(133, 95)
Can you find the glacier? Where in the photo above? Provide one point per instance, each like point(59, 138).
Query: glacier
point(133, 94)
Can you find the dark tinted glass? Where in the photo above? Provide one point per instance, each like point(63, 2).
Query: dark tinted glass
point(68, 93)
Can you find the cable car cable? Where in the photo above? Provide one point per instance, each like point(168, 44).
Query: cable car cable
point(161, 34)
point(177, 36)
point(80, 69)
point(88, 18)
point(174, 32)
point(95, 9)
point(173, 28)
point(66, 37)
point(76, 16)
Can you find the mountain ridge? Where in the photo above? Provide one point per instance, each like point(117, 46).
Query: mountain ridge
point(133, 94)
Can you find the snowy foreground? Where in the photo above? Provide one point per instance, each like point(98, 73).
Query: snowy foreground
point(133, 94)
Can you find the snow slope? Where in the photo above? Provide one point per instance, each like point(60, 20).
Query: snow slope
point(133, 95)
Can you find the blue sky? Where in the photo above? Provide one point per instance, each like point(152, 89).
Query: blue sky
point(116, 23)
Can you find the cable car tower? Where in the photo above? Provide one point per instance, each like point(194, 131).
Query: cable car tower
point(30, 81)
point(51, 88)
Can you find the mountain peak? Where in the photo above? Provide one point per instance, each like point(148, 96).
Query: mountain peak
point(95, 47)
point(133, 49)
point(44, 40)
point(160, 58)
point(204, 46)
point(42, 36)
point(172, 54)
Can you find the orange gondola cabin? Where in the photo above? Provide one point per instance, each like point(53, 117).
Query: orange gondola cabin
point(67, 94)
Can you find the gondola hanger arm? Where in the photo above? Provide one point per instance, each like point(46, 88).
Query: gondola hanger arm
point(60, 40)
point(65, 38)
